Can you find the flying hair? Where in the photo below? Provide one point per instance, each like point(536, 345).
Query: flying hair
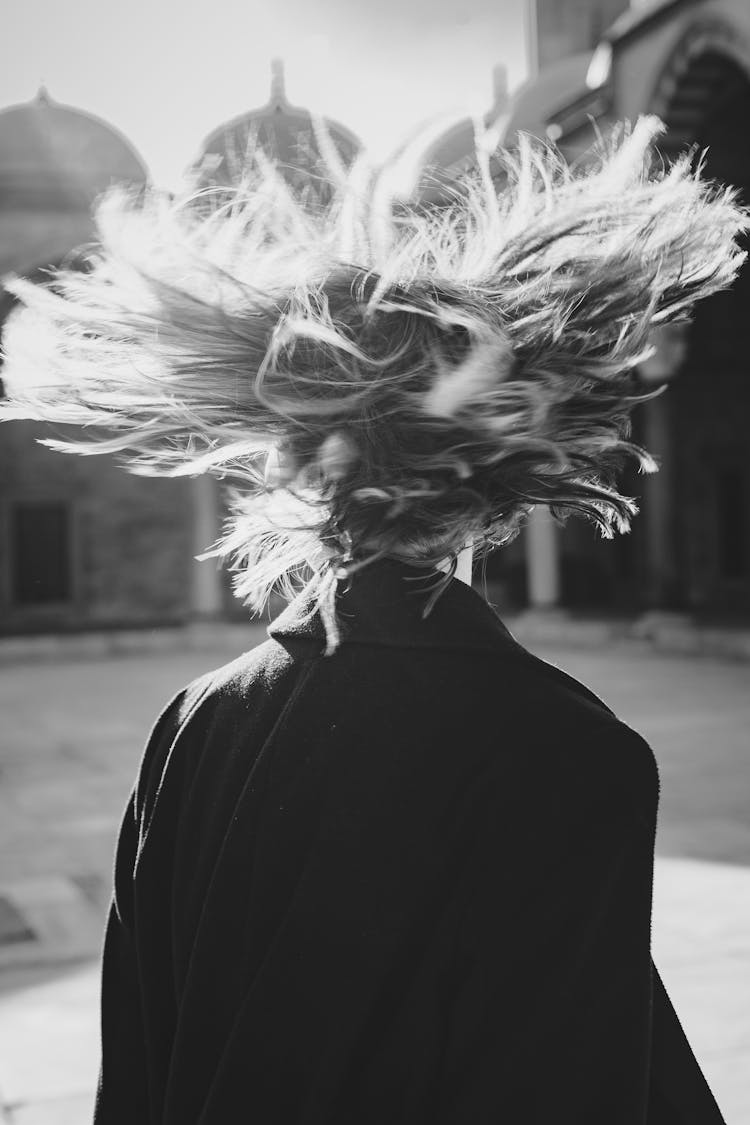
point(375, 378)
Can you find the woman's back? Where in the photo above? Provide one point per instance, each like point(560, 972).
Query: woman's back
point(409, 882)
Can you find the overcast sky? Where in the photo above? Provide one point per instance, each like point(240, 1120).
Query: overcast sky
point(166, 72)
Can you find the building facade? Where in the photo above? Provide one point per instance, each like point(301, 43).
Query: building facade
point(688, 61)
point(561, 28)
point(84, 545)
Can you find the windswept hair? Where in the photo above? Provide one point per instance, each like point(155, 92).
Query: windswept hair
point(376, 379)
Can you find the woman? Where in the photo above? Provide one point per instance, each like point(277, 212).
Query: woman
point(387, 866)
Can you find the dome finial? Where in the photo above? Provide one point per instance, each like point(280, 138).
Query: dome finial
point(42, 94)
point(278, 93)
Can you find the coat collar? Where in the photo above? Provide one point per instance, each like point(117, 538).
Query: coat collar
point(383, 604)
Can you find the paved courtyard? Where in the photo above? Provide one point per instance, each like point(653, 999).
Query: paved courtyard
point(71, 737)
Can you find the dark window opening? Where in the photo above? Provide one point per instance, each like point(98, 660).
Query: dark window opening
point(40, 538)
point(733, 537)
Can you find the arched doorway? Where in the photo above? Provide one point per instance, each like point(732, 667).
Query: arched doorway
point(700, 561)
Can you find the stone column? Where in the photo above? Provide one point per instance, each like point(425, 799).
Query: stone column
point(206, 589)
point(662, 570)
point(663, 581)
point(542, 560)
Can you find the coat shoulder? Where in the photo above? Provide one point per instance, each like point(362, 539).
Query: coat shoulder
point(503, 711)
point(587, 728)
point(260, 669)
point(208, 713)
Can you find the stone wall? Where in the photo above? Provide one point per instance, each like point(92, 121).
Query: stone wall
point(128, 539)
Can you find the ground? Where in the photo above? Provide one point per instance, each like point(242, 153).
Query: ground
point(72, 734)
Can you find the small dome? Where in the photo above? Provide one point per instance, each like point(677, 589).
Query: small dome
point(538, 99)
point(54, 162)
point(53, 155)
point(430, 158)
point(452, 152)
point(286, 133)
point(434, 156)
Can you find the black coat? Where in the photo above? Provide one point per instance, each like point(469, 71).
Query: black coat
point(406, 884)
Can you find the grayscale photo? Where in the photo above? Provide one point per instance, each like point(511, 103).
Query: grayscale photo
point(375, 562)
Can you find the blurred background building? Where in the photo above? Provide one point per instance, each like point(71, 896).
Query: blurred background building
point(81, 542)
point(688, 61)
point(84, 545)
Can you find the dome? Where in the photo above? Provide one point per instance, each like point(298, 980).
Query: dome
point(54, 162)
point(287, 134)
point(53, 155)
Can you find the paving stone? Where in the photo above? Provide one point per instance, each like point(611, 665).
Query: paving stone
point(94, 887)
point(702, 910)
point(86, 740)
point(711, 1002)
point(49, 1037)
point(13, 925)
point(75, 1110)
point(64, 923)
point(728, 1075)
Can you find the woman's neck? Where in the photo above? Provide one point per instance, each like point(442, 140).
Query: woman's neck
point(463, 564)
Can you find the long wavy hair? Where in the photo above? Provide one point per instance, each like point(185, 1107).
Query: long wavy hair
point(376, 379)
